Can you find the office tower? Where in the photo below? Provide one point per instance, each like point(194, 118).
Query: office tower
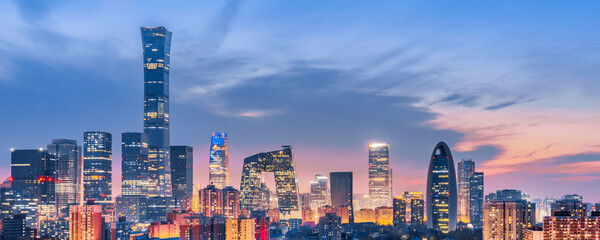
point(33, 182)
point(134, 164)
point(158, 207)
point(441, 190)
point(54, 229)
point(122, 229)
point(380, 185)
point(231, 202)
point(240, 229)
point(319, 192)
point(211, 201)
point(465, 169)
point(575, 208)
point(218, 166)
point(156, 47)
point(476, 198)
point(281, 163)
point(85, 221)
point(399, 211)
point(507, 219)
point(507, 195)
point(97, 166)
point(6, 198)
point(384, 216)
point(365, 215)
point(132, 207)
point(182, 174)
point(573, 198)
point(14, 227)
point(564, 226)
point(417, 211)
point(68, 173)
point(341, 191)
point(330, 227)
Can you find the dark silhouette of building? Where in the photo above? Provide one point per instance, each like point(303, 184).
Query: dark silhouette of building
point(182, 174)
point(476, 199)
point(341, 191)
point(441, 190)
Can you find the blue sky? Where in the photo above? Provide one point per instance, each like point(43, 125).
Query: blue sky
point(511, 85)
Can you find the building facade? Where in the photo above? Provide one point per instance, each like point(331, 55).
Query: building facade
point(465, 169)
point(156, 47)
point(211, 201)
point(68, 173)
point(134, 164)
point(85, 222)
point(97, 166)
point(399, 211)
point(218, 166)
point(476, 199)
point(441, 190)
point(570, 227)
point(231, 202)
point(341, 191)
point(380, 175)
point(319, 192)
point(182, 171)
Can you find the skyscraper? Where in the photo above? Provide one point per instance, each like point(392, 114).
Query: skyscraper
point(399, 211)
point(156, 46)
point(319, 192)
point(476, 199)
point(68, 170)
point(330, 227)
point(134, 164)
point(341, 191)
point(97, 166)
point(231, 202)
point(465, 169)
point(182, 171)
point(441, 190)
point(416, 211)
point(380, 181)
point(281, 163)
point(218, 167)
point(211, 201)
point(85, 221)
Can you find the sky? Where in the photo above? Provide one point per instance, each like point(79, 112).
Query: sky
point(512, 85)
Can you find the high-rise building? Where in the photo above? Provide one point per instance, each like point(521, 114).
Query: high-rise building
point(156, 46)
point(341, 191)
point(380, 175)
point(240, 229)
point(182, 171)
point(507, 219)
point(281, 163)
point(14, 227)
point(97, 166)
point(85, 221)
point(158, 207)
point(319, 192)
point(134, 164)
point(211, 201)
point(565, 226)
point(536, 233)
point(399, 211)
point(54, 229)
point(465, 169)
point(262, 224)
point(441, 190)
point(134, 208)
point(218, 166)
point(575, 208)
point(68, 173)
point(476, 199)
point(507, 195)
point(417, 211)
point(231, 202)
point(330, 227)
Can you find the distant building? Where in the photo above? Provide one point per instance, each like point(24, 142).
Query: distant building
point(465, 169)
point(281, 163)
point(163, 230)
point(417, 213)
point(330, 227)
point(121, 229)
point(158, 207)
point(85, 221)
point(240, 229)
point(182, 174)
point(535, 233)
point(341, 191)
point(54, 229)
point(476, 199)
point(384, 216)
point(507, 195)
point(564, 226)
point(399, 211)
point(15, 227)
point(211, 201)
point(133, 207)
point(231, 202)
point(69, 167)
point(507, 219)
point(218, 166)
point(97, 166)
point(380, 175)
point(319, 192)
point(365, 215)
point(574, 207)
point(344, 213)
point(441, 190)
point(134, 164)
point(262, 225)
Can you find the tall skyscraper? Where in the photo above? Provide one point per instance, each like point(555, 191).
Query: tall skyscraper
point(97, 166)
point(441, 190)
point(85, 222)
point(465, 169)
point(156, 46)
point(380, 175)
point(476, 199)
point(68, 172)
point(182, 171)
point(134, 164)
point(218, 167)
point(319, 192)
point(341, 191)
point(281, 163)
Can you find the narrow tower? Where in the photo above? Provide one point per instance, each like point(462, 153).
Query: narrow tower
point(441, 190)
point(380, 184)
point(218, 167)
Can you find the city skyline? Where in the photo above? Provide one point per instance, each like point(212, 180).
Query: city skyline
point(439, 121)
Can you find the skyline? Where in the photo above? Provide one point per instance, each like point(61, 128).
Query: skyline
point(417, 123)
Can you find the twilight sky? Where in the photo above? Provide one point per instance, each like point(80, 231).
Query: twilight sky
point(512, 85)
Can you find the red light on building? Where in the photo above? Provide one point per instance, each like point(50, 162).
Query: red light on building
point(11, 179)
point(41, 179)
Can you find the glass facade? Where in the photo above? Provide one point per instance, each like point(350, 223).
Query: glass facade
point(182, 174)
point(281, 163)
point(476, 199)
point(218, 168)
point(134, 164)
point(68, 171)
point(156, 46)
point(97, 166)
point(319, 192)
point(441, 190)
point(380, 182)
point(465, 169)
point(341, 191)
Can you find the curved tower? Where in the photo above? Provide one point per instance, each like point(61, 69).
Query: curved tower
point(441, 190)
